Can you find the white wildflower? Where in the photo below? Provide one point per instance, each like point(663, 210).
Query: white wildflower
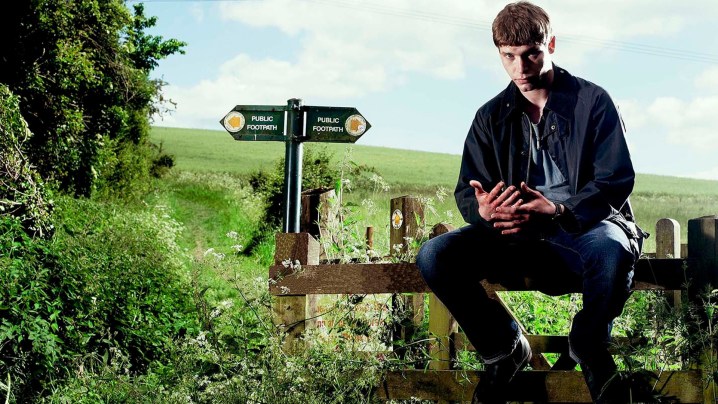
point(441, 194)
point(232, 234)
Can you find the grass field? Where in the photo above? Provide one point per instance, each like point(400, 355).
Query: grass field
point(421, 174)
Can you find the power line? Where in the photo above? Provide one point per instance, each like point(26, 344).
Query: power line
point(486, 26)
point(471, 23)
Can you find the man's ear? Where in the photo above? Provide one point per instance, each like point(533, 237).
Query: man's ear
point(552, 44)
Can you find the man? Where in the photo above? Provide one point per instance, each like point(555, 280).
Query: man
point(544, 186)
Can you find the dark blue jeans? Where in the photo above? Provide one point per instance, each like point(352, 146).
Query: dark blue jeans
point(600, 261)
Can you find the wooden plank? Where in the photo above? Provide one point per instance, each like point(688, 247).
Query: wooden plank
point(532, 386)
point(347, 279)
point(545, 343)
point(651, 274)
point(538, 362)
point(441, 326)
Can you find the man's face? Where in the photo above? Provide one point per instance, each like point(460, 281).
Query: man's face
point(528, 65)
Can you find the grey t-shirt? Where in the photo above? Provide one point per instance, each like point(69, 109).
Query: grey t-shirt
point(544, 175)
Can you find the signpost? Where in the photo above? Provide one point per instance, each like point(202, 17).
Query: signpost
point(294, 124)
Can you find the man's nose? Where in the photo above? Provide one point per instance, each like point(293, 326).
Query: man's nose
point(521, 65)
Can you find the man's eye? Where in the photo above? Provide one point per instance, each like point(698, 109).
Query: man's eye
point(508, 56)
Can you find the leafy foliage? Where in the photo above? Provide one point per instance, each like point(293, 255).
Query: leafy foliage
point(317, 172)
point(81, 71)
point(109, 282)
point(22, 191)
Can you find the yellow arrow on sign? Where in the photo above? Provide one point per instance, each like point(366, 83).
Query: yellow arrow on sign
point(234, 121)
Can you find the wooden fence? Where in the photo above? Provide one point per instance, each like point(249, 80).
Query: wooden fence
point(667, 269)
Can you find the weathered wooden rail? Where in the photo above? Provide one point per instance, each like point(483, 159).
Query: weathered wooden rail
point(666, 270)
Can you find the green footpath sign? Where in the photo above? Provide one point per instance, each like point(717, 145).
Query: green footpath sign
point(256, 122)
point(317, 124)
point(334, 124)
point(294, 124)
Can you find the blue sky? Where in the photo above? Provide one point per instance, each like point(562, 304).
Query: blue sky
point(419, 69)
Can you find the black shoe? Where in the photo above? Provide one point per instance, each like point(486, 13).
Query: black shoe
point(496, 377)
point(603, 381)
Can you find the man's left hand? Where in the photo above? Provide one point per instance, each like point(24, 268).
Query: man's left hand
point(514, 218)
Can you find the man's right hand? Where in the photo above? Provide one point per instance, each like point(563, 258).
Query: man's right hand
point(489, 201)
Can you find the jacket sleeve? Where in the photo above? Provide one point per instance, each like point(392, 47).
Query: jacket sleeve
point(478, 162)
point(607, 161)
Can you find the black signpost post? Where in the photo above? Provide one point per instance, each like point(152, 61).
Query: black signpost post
point(294, 125)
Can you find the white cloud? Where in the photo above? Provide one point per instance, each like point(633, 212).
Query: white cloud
point(197, 12)
point(708, 80)
point(403, 36)
point(689, 123)
point(266, 81)
point(344, 49)
point(632, 113)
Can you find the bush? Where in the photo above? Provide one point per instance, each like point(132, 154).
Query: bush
point(109, 282)
point(319, 170)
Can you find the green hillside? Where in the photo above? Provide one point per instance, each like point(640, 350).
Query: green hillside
point(214, 150)
point(421, 173)
point(210, 150)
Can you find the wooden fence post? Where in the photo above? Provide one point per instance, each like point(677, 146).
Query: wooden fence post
point(313, 220)
point(703, 253)
point(315, 210)
point(290, 312)
point(441, 323)
point(407, 222)
point(668, 245)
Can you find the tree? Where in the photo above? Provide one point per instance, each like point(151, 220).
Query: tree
point(81, 71)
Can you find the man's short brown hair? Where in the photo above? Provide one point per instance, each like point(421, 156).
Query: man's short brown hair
point(521, 23)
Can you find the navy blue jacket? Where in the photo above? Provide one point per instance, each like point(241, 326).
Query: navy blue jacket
point(584, 136)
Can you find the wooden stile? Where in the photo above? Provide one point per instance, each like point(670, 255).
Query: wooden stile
point(530, 386)
point(664, 272)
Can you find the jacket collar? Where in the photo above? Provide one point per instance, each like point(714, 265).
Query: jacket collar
point(561, 99)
